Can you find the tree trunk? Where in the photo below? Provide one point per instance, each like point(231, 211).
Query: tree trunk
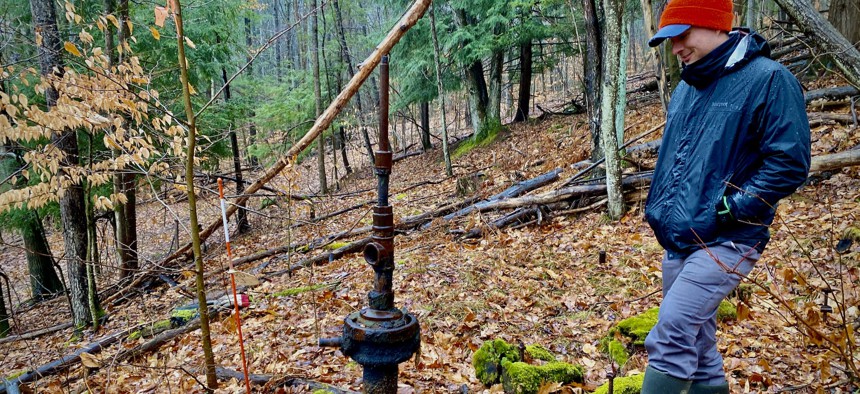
point(343, 147)
point(650, 22)
point(242, 225)
point(621, 98)
point(751, 15)
point(72, 200)
point(110, 30)
point(4, 316)
point(826, 37)
point(494, 105)
point(209, 356)
point(347, 58)
point(252, 127)
point(441, 88)
point(124, 182)
point(44, 282)
point(593, 66)
point(315, 60)
point(844, 15)
point(525, 91)
point(424, 108)
point(276, 10)
point(92, 251)
point(301, 61)
point(612, 60)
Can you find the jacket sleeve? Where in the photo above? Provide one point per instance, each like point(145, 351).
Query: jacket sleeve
point(784, 148)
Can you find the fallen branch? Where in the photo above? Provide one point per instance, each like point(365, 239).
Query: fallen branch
point(272, 382)
point(835, 161)
point(563, 194)
point(511, 192)
point(156, 342)
point(817, 118)
point(837, 93)
point(69, 360)
point(353, 247)
point(37, 333)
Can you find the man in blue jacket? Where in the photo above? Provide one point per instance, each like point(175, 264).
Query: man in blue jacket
point(736, 141)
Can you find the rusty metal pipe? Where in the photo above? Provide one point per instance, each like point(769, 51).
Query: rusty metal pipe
point(380, 336)
point(331, 342)
point(383, 104)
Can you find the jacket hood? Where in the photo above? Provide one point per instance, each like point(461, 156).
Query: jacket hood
point(742, 47)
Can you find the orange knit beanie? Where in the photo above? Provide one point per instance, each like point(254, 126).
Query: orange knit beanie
point(711, 14)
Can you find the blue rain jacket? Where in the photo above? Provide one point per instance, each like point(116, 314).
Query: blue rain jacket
point(736, 127)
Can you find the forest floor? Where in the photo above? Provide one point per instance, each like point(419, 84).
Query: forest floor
point(538, 284)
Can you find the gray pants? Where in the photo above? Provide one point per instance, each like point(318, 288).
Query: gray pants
point(683, 344)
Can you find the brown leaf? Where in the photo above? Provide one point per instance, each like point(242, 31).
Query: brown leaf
point(160, 16)
point(90, 361)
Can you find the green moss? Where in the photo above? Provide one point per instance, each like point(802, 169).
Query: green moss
point(488, 360)
point(300, 290)
point(637, 327)
point(16, 374)
point(322, 391)
point(727, 311)
point(268, 202)
point(625, 385)
point(538, 352)
point(486, 136)
point(180, 316)
point(618, 352)
point(522, 378)
point(632, 330)
point(152, 329)
point(335, 245)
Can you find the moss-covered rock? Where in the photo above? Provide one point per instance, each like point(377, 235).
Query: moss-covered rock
point(632, 330)
point(625, 385)
point(322, 391)
point(538, 352)
point(637, 327)
point(727, 311)
point(522, 378)
point(488, 360)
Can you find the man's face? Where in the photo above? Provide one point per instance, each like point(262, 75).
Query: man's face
point(695, 43)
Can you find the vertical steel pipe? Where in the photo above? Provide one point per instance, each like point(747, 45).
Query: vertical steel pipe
point(380, 336)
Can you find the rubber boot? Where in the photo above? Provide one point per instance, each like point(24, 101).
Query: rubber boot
point(657, 382)
point(698, 388)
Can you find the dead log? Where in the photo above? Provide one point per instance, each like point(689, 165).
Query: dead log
point(37, 333)
point(155, 343)
point(409, 19)
point(272, 381)
point(353, 247)
point(837, 93)
point(564, 194)
point(835, 161)
point(817, 118)
point(594, 165)
point(69, 360)
point(825, 37)
point(511, 192)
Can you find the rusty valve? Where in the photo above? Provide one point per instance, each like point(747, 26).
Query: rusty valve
point(380, 336)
